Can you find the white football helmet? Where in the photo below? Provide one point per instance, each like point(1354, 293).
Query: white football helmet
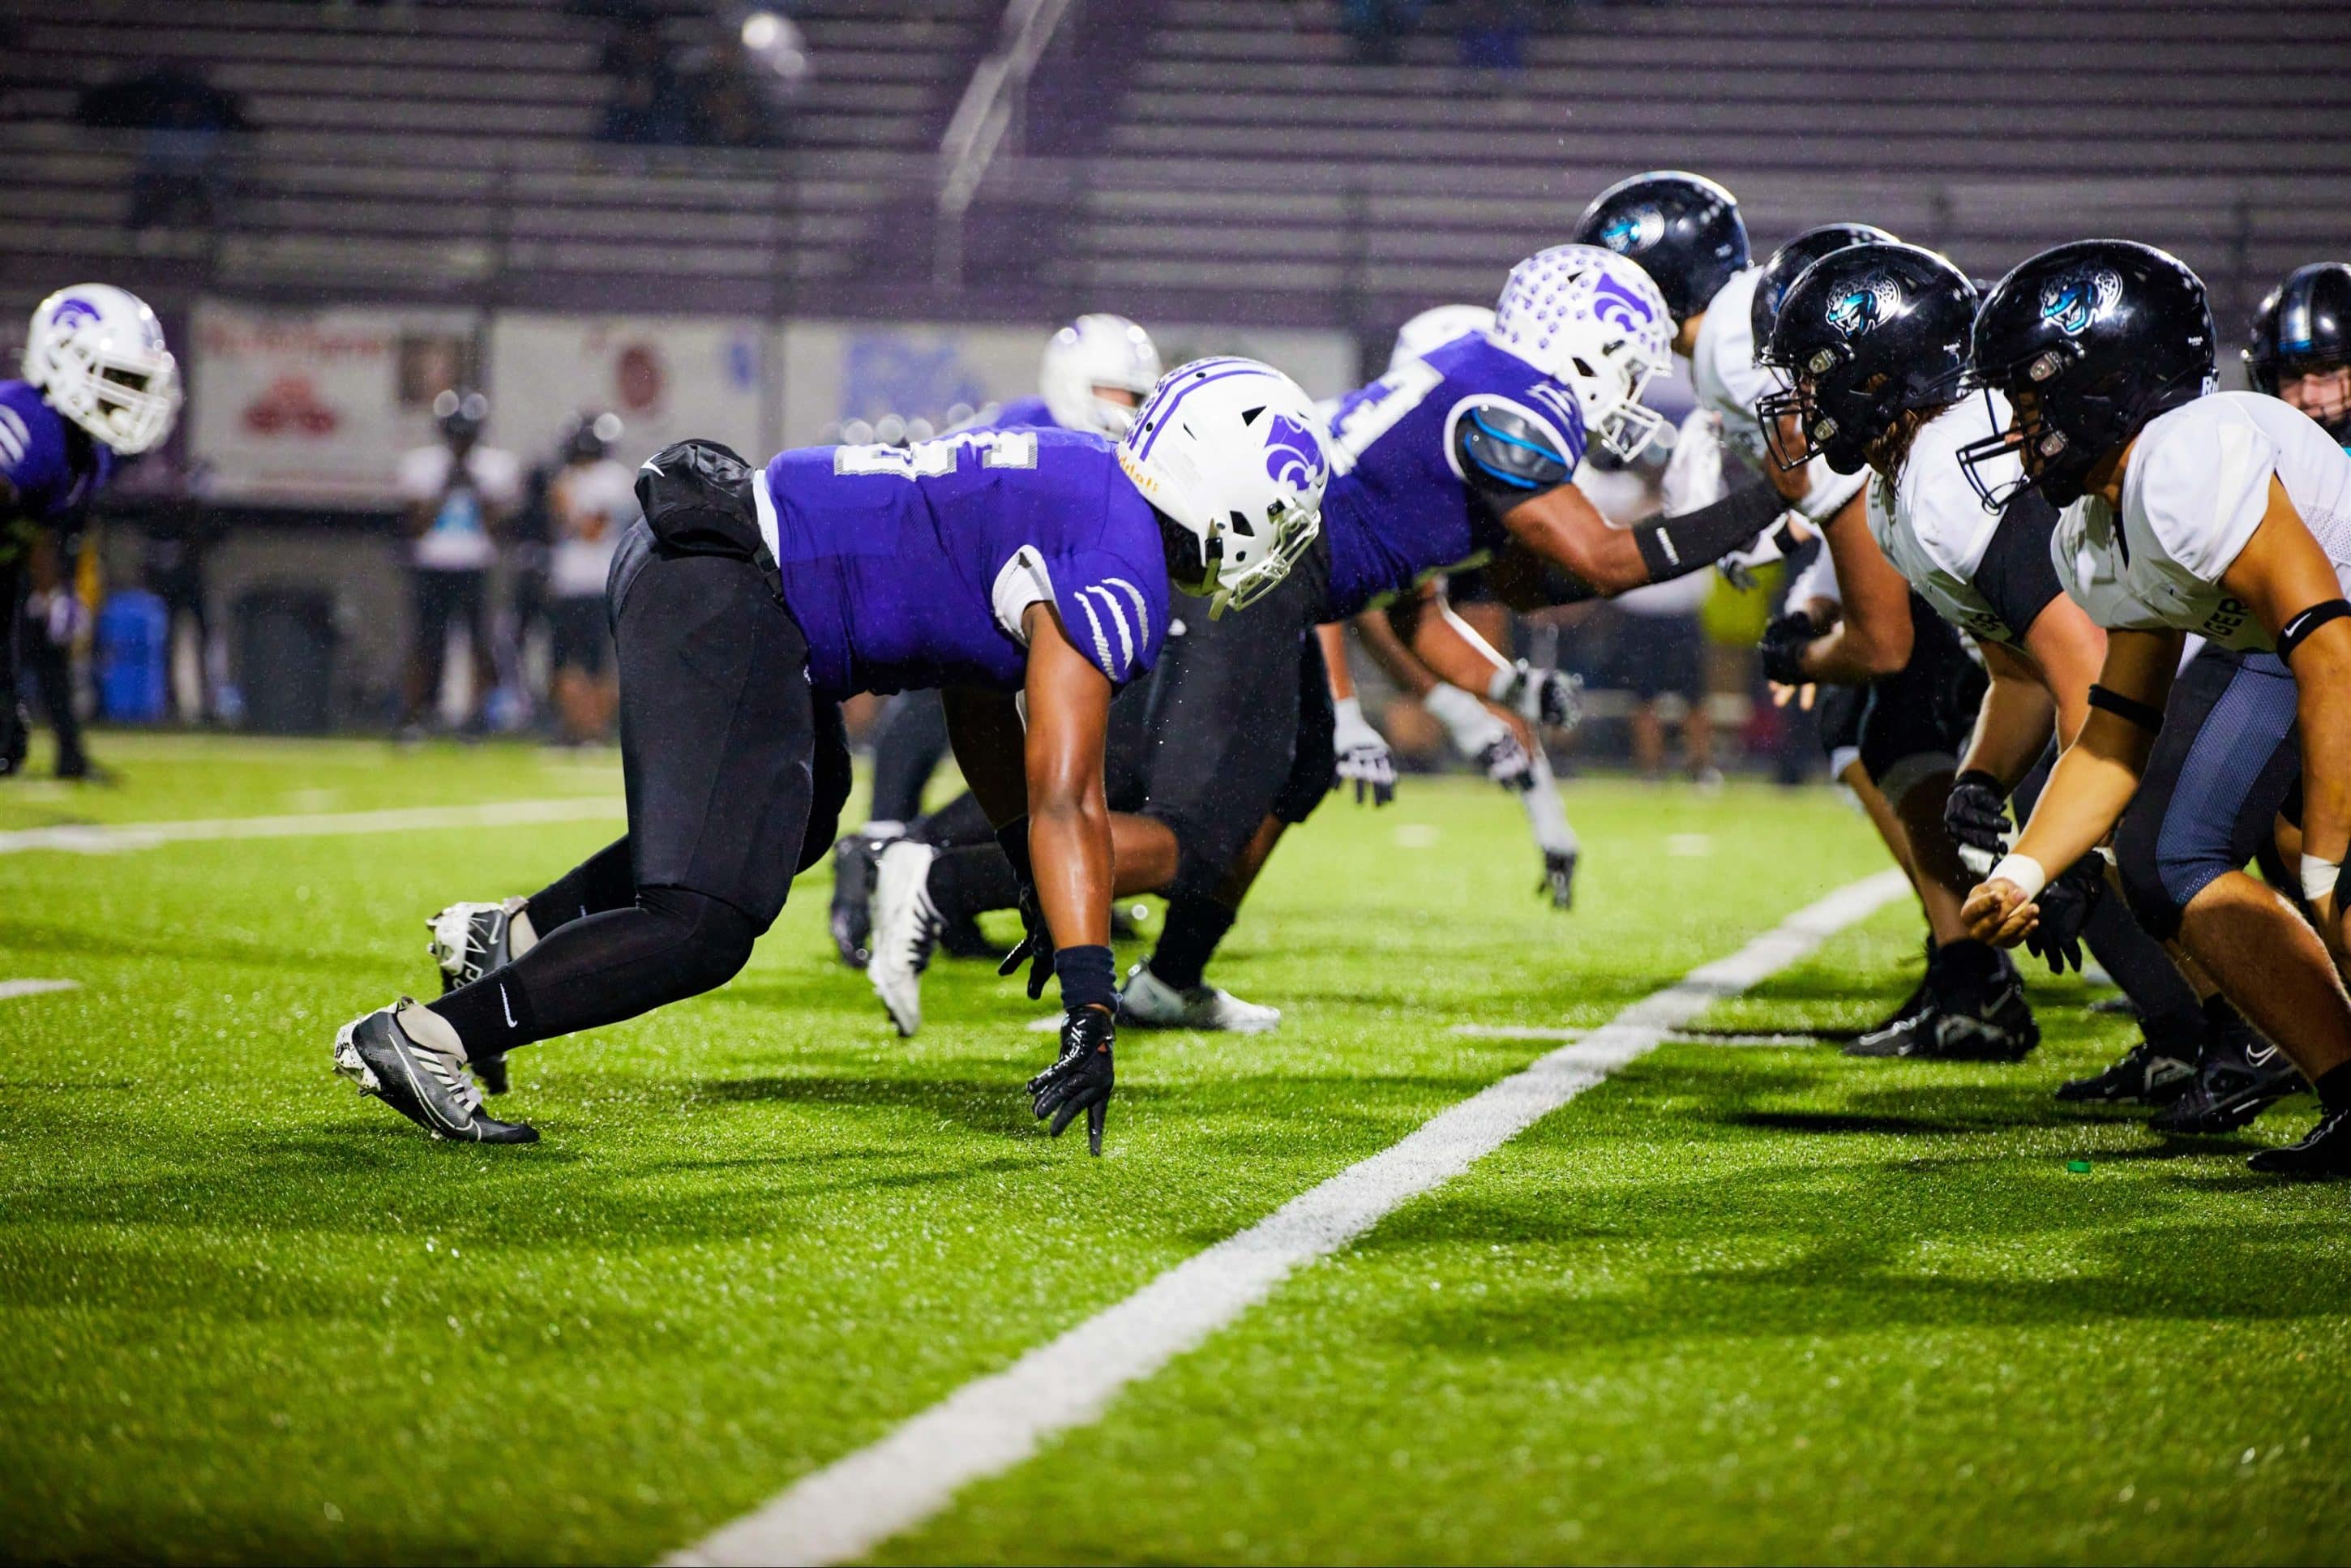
point(97, 353)
point(1231, 451)
point(1436, 326)
point(1594, 321)
point(1097, 351)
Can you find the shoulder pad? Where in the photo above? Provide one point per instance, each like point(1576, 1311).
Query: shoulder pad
point(1505, 453)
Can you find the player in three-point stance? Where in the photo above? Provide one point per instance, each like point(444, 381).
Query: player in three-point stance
point(2186, 510)
point(996, 566)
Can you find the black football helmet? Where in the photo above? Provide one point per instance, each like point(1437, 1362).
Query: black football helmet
point(2087, 341)
point(2304, 325)
point(590, 437)
point(1788, 263)
point(461, 414)
point(1685, 232)
point(1864, 334)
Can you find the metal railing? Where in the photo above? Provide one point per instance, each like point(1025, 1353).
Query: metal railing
point(998, 88)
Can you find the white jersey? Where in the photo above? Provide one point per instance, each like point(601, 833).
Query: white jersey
point(2195, 487)
point(458, 538)
point(1933, 527)
point(1730, 383)
point(590, 505)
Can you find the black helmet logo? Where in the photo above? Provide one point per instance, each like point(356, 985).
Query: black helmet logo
point(2073, 303)
point(1631, 233)
point(1864, 305)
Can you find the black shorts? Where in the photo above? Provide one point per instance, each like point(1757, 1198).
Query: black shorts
point(1915, 722)
point(1227, 706)
point(734, 766)
point(1657, 655)
point(2226, 761)
point(1837, 711)
point(446, 598)
point(580, 630)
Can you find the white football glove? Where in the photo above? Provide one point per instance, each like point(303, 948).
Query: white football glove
point(1363, 754)
point(1539, 696)
point(1481, 737)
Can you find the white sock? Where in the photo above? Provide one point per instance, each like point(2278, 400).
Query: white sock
point(1546, 812)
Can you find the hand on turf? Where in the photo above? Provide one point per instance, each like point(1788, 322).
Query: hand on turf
point(1507, 761)
point(1998, 912)
point(1976, 816)
point(1081, 1078)
point(2064, 909)
point(1036, 946)
point(1364, 755)
point(1782, 648)
point(1539, 696)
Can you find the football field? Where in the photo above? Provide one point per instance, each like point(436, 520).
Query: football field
point(1739, 1298)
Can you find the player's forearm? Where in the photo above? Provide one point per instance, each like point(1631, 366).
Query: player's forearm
point(1454, 652)
point(1332, 635)
point(1675, 547)
point(1846, 657)
point(2324, 710)
point(1069, 846)
point(2012, 727)
point(2088, 789)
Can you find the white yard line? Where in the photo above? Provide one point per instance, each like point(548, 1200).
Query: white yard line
point(11, 990)
point(986, 1427)
point(116, 838)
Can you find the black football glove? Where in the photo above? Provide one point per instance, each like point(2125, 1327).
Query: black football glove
point(1559, 878)
point(1783, 645)
point(1976, 816)
point(1081, 1078)
point(1036, 945)
point(15, 733)
point(2065, 905)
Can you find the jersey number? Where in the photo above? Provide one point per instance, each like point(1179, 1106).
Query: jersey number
point(1379, 409)
point(936, 459)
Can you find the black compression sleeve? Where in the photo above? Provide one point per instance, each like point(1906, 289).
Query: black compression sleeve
point(1676, 546)
point(2016, 577)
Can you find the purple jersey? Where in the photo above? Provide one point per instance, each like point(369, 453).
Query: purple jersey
point(37, 457)
point(910, 567)
point(1398, 507)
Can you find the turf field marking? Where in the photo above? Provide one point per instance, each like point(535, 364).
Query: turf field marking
point(11, 990)
point(991, 1424)
point(88, 839)
point(1517, 1031)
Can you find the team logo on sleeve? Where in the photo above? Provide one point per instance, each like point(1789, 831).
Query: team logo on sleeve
point(1631, 233)
point(2072, 303)
point(1292, 456)
point(1873, 300)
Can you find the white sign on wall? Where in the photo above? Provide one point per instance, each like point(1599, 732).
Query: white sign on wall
point(668, 378)
point(317, 405)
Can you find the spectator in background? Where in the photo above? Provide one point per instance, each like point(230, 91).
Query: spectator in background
point(591, 500)
point(182, 174)
point(459, 494)
point(1659, 657)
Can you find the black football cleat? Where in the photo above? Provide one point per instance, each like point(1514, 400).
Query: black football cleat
point(2323, 1154)
point(853, 899)
point(1977, 1023)
point(393, 1054)
point(1558, 881)
point(469, 940)
point(2240, 1076)
point(2144, 1076)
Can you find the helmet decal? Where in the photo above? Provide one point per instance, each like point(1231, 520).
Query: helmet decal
point(73, 310)
point(2070, 304)
point(1631, 233)
point(1873, 300)
point(1293, 454)
point(1615, 305)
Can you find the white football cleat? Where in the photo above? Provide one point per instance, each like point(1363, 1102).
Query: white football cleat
point(1146, 1001)
point(906, 927)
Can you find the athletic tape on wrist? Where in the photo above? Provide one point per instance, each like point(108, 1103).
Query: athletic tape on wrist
point(1347, 710)
point(2130, 710)
point(2291, 635)
point(2028, 875)
point(2319, 877)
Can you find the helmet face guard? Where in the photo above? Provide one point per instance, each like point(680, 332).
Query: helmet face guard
point(1830, 417)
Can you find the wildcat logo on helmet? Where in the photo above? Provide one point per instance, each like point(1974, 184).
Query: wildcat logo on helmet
point(1864, 305)
point(1628, 234)
point(73, 312)
point(2072, 304)
point(1292, 456)
point(1615, 305)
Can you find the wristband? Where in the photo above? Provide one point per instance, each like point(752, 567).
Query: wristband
point(1345, 711)
point(2026, 872)
point(1089, 978)
point(2318, 877)
point(1453, 707)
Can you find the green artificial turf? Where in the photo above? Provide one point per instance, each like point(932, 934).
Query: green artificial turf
point(1737, 1302)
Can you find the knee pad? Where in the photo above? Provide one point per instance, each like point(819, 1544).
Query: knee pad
point(710, 940)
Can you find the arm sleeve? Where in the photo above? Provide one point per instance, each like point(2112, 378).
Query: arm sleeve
point(2016, 577)
point(1114, 614)
point(1676, 546)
